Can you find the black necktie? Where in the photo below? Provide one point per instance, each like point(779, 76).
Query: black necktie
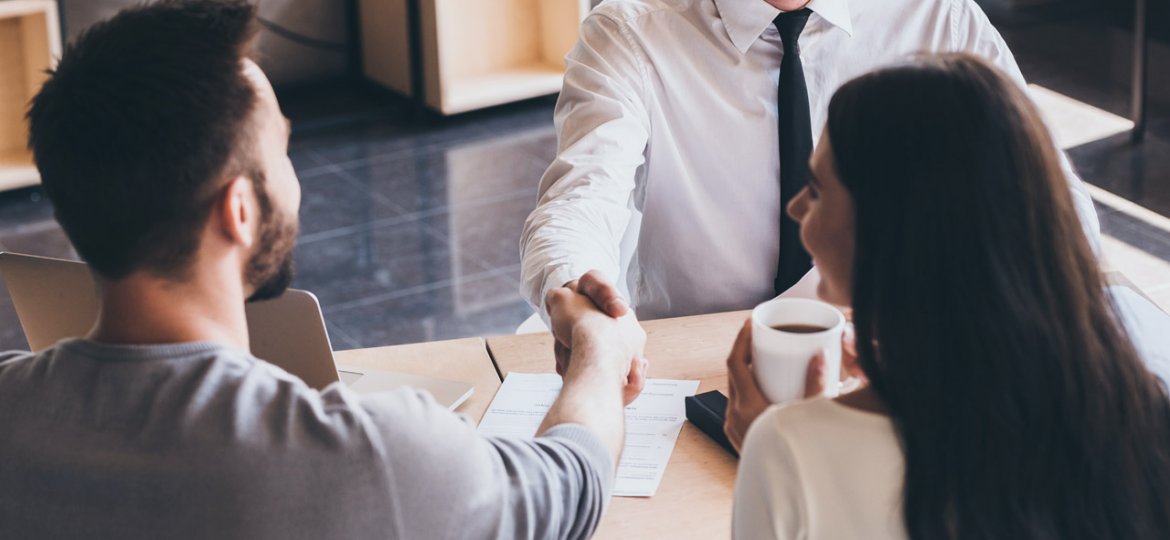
point(795, 147)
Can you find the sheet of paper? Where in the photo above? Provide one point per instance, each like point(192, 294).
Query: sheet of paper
point(652, 423)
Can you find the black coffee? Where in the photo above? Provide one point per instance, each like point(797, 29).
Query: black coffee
point(799, 328)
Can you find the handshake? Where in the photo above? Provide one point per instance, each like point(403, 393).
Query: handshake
point(596, 334)
point(595, 331)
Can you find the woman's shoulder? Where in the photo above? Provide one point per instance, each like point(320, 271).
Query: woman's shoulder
point(814, 429)
point(820, 415)
point(818, 454)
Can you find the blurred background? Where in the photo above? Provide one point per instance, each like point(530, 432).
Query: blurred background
point(421, 129)
point(328, 54)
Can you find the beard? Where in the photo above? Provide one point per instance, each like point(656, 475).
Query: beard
point(270, 268)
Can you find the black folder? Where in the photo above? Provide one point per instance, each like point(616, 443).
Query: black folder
point(707, 412)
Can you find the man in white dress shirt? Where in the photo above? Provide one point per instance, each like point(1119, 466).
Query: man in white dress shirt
point(666, 188)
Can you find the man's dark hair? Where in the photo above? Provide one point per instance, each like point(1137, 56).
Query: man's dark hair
point(138, 128)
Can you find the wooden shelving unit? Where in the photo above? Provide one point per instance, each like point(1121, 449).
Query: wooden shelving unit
point(30, 41)
point(475, 53)
point(385, 38)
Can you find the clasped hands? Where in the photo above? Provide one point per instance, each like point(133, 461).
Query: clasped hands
point(588, 313)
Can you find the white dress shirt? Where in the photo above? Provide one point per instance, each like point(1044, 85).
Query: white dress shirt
point(667, 172)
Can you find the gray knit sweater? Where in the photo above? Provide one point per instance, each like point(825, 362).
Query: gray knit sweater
point(197, 440)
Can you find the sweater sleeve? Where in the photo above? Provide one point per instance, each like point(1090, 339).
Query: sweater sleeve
point(448, 481)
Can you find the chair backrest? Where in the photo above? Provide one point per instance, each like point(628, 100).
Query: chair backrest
point(54, 298)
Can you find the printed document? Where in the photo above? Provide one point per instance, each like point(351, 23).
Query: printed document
point(653, 422)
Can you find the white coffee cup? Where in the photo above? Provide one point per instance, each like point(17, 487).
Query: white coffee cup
point(780, 359)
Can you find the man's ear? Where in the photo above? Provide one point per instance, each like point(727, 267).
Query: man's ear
point(236, 212)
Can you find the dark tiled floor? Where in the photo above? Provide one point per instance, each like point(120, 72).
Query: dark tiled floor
point(411, 226)
point(410, 223)
point(1138, 172)
point(1054, 53)
point(1135, 232)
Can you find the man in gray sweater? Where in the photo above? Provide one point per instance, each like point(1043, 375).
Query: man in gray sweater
point(163, 150)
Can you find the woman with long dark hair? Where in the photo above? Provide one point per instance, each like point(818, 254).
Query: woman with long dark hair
point(1005, 398)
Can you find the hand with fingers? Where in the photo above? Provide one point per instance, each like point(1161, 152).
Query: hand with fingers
point(577, 321)
point(746, 400)
point(606, 371)
point(603, 293)
point(852, 377)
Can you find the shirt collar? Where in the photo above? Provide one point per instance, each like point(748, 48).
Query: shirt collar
point(836, 12)
point(746, 20)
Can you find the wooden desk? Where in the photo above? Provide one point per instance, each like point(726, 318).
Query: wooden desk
point(694, 499)
point(463, 360)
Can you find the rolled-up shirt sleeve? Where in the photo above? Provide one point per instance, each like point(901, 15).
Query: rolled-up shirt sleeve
point(972, 32)
point(445, 480)
point(583, 202)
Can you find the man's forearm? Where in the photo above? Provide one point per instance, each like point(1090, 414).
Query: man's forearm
point(592, 397)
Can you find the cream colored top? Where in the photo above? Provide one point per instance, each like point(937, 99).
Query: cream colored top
point(819, 469)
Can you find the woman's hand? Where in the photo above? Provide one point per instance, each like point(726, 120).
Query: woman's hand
point(852, 377)
point(747, 401)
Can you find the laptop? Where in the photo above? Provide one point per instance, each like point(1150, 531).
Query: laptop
point(57, 299)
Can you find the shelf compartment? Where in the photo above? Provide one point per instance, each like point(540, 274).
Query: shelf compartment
point(29, 44)
point(490, 52)
point(474, 53)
